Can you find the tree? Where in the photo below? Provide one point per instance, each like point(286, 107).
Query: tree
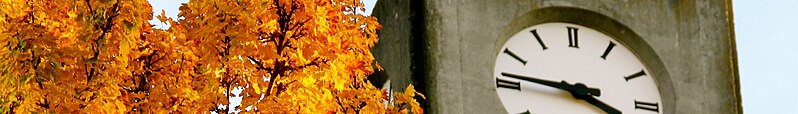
point(65, 56)
point(306, 56)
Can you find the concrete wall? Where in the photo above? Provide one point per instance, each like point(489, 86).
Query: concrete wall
point(447, 47)
point(393, 51)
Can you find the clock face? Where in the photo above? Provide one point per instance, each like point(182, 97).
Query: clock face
point(562, 68)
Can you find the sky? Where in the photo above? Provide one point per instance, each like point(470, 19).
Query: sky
point(766, 34)
point(170, 6)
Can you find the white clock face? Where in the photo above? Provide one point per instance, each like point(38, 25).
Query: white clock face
point(600, 74)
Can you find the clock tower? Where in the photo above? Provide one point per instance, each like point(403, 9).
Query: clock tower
point(562, 56)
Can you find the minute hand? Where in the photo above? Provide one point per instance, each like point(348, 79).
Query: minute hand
point(574, 89)
point(601, 105)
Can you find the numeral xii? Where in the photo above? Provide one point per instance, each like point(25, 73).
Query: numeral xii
point(573, 37)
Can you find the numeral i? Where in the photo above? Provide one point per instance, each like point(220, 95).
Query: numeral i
point(516, 57)
point(535, 33)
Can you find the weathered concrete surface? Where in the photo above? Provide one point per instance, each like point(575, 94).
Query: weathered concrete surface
point(449, 46)
point(393, 50)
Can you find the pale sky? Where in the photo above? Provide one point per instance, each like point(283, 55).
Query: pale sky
point(766, 36)
point(765, 32)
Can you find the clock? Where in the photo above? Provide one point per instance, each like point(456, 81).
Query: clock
point(564, 68)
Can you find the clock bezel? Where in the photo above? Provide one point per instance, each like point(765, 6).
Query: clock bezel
point(606, 25)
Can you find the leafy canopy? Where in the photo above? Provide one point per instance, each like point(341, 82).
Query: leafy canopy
point(103, 56)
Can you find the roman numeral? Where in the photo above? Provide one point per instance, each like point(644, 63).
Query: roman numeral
point(502, 83)
point(607, 51)
point(507, 51)
point(535, 33)
point(638, 74)
point(573, 37)
point(647, 106)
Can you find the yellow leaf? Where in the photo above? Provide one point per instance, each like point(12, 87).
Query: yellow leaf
point(301, 56)
point(72, 14)
point(120, 106)
point(377, 64)
point(255, 85)
point(218, 72)
point(124, 47)
point(162, 17)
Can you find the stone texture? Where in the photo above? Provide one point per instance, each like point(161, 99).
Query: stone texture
point(393, 50)
point(447, 47)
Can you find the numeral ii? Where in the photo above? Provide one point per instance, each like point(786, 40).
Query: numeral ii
point(535, 33)
point(607, 51)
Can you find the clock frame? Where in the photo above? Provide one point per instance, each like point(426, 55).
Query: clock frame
point(592, 67)
point(606, 25)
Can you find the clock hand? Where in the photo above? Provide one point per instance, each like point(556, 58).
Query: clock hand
point(525, 112)
point(578, 91)
point(577, 88)
point(607, 108)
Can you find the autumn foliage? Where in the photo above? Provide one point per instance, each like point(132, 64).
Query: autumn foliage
point(103, 56)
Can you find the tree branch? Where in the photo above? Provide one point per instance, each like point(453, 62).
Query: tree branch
point(315, 62)
point(259, 64)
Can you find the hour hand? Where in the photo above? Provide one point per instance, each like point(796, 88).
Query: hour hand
point(578, 88)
